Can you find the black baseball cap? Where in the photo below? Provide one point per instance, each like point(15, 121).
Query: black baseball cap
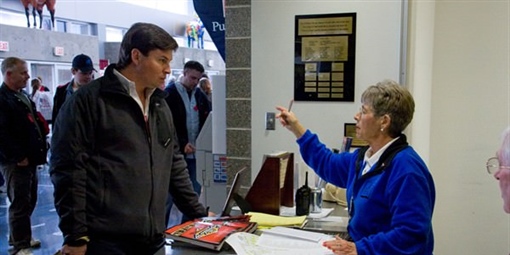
point(83, 63)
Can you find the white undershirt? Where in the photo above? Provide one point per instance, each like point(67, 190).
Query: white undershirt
point(131, 88)
point(370, 161)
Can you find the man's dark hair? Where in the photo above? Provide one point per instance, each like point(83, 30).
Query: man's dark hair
point(145, 37)
point(194, 65)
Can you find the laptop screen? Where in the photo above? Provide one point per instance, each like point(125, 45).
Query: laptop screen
point(233, 193)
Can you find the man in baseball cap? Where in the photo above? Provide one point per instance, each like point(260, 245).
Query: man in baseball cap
point(83, 73)
point(83, 63)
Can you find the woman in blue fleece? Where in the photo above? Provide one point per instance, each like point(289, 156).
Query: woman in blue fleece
point(390, 190)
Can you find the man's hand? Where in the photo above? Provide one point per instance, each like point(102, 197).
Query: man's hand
point(189, 148)
point(71, 250)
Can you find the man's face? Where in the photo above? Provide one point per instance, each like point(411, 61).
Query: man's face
point(18, 76)
point(82, 78)
point(154, 67)
point(190, 78)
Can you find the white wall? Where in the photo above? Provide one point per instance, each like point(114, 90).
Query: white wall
point(470, 107)
point(459, 75)
point(377, 58)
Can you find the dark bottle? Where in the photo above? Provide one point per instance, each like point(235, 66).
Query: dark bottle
point(303, 199)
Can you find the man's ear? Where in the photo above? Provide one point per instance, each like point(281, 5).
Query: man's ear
point(135, 56)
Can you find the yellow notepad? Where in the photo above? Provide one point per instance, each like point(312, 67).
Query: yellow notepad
point(265, 220)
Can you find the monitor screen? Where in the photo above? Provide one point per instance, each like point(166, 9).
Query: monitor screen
point(233, 194)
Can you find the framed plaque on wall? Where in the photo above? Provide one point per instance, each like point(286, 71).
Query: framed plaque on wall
point(324, 57)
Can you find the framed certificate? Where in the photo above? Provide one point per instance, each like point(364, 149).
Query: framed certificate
point(325, 47)
point(350, 131)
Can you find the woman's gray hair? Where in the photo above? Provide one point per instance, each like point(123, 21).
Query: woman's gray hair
point(504, 151)
point(388, 97)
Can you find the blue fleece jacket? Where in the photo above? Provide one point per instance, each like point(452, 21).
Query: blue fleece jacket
point(390, 206)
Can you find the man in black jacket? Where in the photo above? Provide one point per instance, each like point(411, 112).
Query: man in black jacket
point(83, 72)
point(22, 148)
point(114, 156)
point(190, 108)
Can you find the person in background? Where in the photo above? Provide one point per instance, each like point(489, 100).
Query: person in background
point(205, 85)
point(499, 166)
point(22, 148)
point(115, 157)
point(390, 191)
point(42, 99)
point(36, 86)
point(83, 72)
point(42, 88)
point(171, 79)
point(190, 109)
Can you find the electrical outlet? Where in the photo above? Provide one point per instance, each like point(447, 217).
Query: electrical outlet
point(270, 120)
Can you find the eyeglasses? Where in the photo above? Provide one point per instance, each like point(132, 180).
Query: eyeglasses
point(493, 165)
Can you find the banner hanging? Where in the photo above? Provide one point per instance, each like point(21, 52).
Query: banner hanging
point(212, 15)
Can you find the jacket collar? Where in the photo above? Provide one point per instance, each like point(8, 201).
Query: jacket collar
point(111, 84)
point(385, 159)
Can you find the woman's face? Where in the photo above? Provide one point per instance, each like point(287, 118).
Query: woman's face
point(503, 175)
point(368, 126)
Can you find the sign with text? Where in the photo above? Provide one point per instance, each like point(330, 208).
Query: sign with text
point(4, 46)
point(324, 57)
point(58, 51)
point(212, 14)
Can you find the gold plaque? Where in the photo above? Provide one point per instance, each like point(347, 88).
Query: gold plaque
point(325, 26)
point(337, 67)
point(310, 84)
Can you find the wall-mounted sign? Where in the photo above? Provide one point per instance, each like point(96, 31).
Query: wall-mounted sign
point(58, 51)
point(4, 46)
point(220, 168)
point(324, 57)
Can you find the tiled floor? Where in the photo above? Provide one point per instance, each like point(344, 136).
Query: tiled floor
point(44, 218)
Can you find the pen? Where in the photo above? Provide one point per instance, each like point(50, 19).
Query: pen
point(290, 105)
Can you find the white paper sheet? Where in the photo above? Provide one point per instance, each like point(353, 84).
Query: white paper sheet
point(250, 244)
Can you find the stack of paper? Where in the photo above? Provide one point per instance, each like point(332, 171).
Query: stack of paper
point(280, 241)
point(265, 220)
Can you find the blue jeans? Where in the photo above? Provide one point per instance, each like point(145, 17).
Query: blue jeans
point(192, 169)
point(22, 193)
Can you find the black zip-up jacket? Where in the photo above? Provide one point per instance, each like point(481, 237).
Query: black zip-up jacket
point(19, 134)
point(111, 169)
point(59, 99)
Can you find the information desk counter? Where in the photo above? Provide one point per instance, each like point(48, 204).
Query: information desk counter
point(184, 249)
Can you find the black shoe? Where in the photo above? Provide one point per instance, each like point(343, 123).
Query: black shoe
point(34, 243)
